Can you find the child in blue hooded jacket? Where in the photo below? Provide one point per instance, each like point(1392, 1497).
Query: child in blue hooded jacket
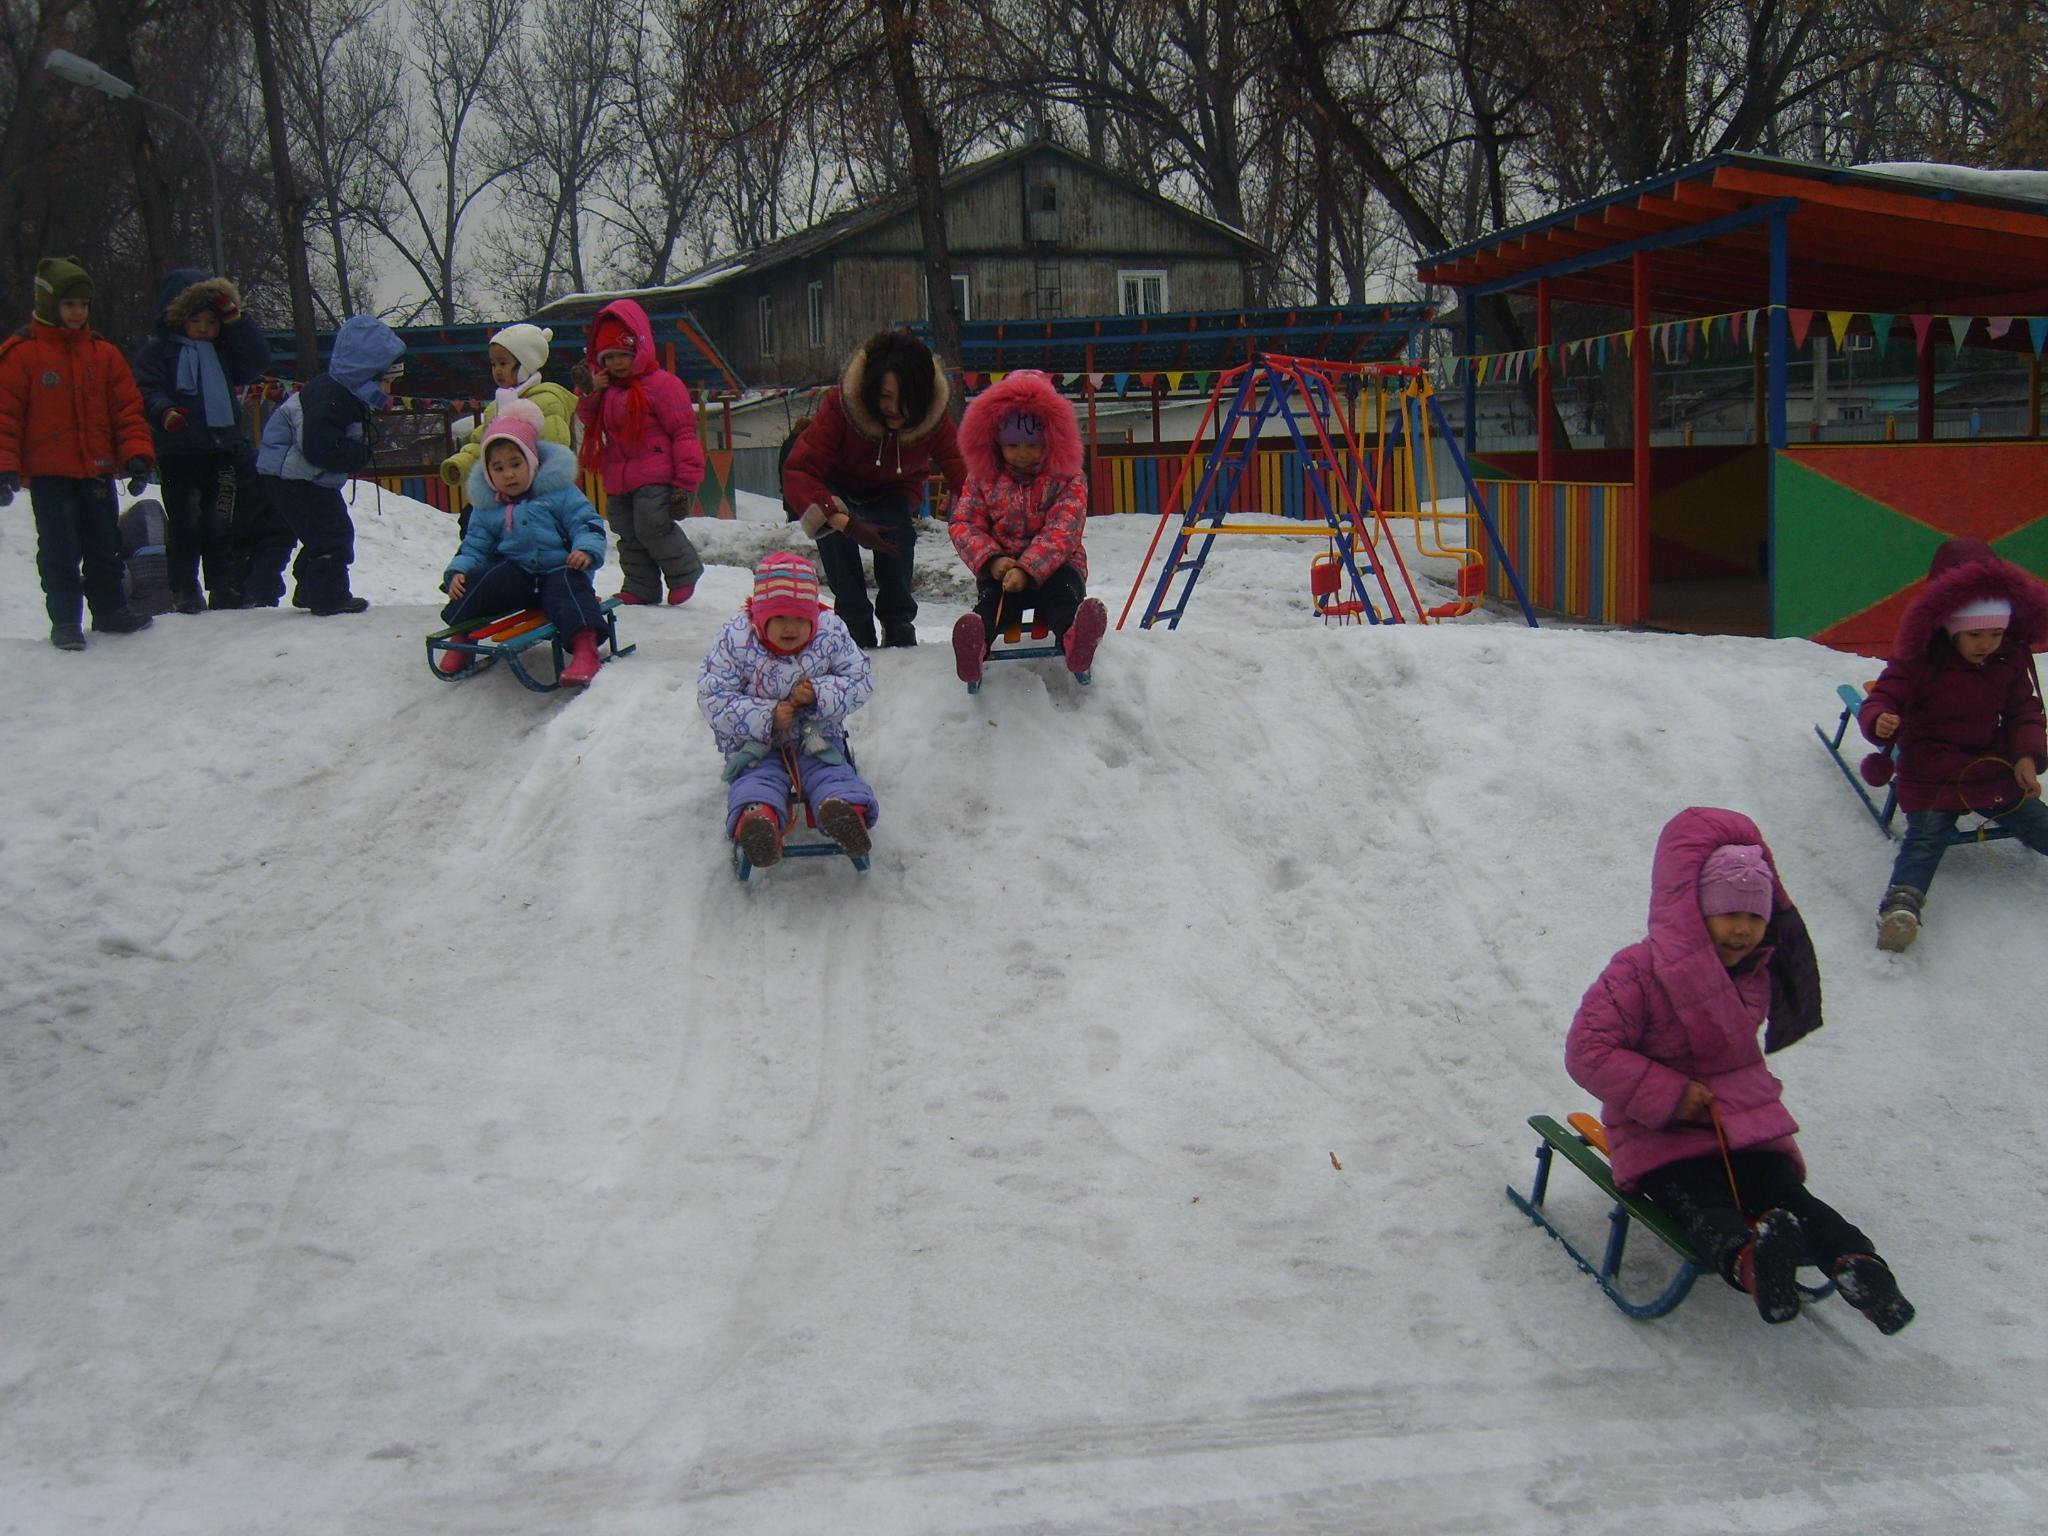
point(313, 443)
point(534, 539)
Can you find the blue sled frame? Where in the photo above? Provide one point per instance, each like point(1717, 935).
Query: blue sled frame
point(1037, 647)
point(1626, 1210)
point(513, 652)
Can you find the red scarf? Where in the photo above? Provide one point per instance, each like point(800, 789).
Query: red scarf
point(591, 455)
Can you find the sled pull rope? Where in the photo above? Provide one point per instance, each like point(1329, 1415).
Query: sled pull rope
point(1727, 1162)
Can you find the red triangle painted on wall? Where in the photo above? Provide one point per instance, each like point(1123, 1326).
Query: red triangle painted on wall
point(1919, 481)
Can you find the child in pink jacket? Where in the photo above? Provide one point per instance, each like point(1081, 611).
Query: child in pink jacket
point(1667, 1040)
point(1019, 524)
point(640, 429)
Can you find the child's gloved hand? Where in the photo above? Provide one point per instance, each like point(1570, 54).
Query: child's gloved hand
point(681, 503)
point(451, 471)
point(582, 378)
point(174, 420)
point(738, 762)
point(804, 694)
point(1014, 579)
point(137, 471)
point(9, 484)
point(228, 310)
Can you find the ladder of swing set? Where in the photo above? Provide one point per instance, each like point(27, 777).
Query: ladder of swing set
point(1224, 470)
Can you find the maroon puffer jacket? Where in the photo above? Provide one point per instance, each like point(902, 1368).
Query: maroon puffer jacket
point(1961, 726)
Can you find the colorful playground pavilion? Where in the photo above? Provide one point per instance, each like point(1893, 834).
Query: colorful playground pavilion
point(1743, 255)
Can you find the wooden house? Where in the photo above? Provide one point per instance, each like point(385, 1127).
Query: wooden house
point(1035, 232)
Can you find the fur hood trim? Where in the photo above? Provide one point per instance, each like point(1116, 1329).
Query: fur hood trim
point(189, 301)
point(557, 470)
point(868, 427)
point(1963, 570)
point(1026, 390)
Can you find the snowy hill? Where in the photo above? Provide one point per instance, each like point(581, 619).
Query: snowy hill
point(409, 1126)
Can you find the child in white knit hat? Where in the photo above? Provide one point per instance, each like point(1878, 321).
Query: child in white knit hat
point(1961, 703)
point(518, 353)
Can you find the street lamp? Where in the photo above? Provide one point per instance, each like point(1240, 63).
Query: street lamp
point(66, 65)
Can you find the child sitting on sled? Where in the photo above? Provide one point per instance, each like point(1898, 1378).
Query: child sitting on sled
point(533, 541)
point(1667, 1040)
point(777, 688)
point(1961, 701)
point(1018, 525)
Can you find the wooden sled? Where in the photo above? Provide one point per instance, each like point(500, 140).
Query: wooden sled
point(509, 638)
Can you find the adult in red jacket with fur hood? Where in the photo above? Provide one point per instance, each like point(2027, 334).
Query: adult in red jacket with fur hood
point(1020, 522)
point(1961, 701)
point(857, 474)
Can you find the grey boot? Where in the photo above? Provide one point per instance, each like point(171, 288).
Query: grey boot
point(1898, 918)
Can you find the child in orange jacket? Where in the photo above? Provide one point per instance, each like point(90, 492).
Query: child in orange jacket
point(71, 420)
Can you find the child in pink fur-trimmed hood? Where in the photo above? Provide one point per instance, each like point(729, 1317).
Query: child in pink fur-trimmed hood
point(1019, 524)
point(1961, 701)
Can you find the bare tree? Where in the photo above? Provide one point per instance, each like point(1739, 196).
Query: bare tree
point(445, 158)
point(653, 185)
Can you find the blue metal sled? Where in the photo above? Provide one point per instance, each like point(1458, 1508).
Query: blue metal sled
point(1012, 643)
point(474, 639)
point(1627, 1209)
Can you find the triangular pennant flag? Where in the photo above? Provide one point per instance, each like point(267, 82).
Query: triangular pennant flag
point(1754, 315)
point(1881, 329)
point(1997, 325)
point(1802, 322)
point(1173, 381)
point(1922, 324)
point(1601, 360)
point(1958, 328)
point(2037, 329)
point(1838, 325)
point(1628, 342)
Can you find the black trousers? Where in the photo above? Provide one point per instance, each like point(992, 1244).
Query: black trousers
point(76, 528)
point(198, 512)
point(319, 516)
point(504, 586)
point(1695, 1193)
point(1056, 602)
point(840, 557)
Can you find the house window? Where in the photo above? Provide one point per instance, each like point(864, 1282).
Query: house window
point(959, 296)
point(815, 303)
point(1141, 292)
point(767, 315)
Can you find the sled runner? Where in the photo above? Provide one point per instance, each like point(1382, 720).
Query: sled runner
point(510, 636)
point(1013, 643)
point(1885, 814)
point(1585, 1147)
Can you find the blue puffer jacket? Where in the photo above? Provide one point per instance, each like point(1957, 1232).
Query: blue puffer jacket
point(243, 350)
point(318, 434)
point(552, 519)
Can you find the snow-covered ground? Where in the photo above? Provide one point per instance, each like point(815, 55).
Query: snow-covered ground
point(408, 1126)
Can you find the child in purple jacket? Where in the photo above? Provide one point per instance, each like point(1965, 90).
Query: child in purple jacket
point(777, 687)
point(1961, 702)
point(1667, 1040)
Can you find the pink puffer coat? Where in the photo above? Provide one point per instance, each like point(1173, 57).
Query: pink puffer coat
point(1036, 519)
point(1666, 1012)
point(667, 452)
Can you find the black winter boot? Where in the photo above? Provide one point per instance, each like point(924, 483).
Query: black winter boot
point(67, 637)
point(120, 621)
point(1866, 1283)
point(1767, 1267)
point(1898, 918)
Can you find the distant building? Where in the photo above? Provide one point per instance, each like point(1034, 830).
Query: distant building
point(1036, 232)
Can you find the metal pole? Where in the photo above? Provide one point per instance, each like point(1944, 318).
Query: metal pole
point(220, 261)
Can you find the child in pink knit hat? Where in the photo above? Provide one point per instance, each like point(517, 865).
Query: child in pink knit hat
point(1666, 1038)
point(1960, 701)
point(777, 687)
point(534, 540)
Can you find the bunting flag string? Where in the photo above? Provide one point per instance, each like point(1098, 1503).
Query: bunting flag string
point(1697, 337)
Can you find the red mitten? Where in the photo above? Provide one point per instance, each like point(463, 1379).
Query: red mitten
point(174, 420)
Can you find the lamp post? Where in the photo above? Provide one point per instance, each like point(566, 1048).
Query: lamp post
point(66, 65)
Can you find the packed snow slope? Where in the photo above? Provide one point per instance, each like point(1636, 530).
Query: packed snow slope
point(407, 1125)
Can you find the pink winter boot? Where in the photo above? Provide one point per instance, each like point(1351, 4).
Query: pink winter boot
point(583, 660)
point(1083, 635)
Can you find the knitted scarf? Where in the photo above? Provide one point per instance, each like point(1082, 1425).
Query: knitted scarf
point(631, 427)
point(199, 373)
